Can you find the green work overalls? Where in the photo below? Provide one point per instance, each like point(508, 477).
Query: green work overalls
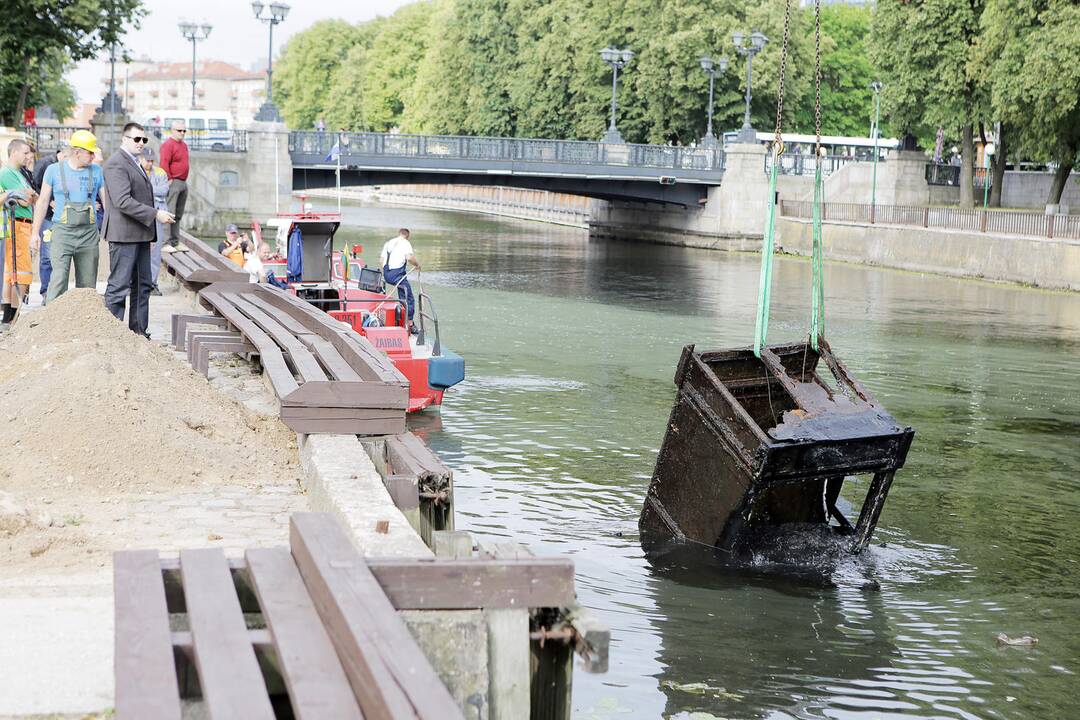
point(74, 238)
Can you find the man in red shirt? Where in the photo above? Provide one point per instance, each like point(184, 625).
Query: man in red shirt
point(174, 160)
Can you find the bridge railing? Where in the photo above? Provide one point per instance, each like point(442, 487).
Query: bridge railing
point(1004, 222)
point(213, 140)
point(806, 164)
point(50, 138)
point(319, 145)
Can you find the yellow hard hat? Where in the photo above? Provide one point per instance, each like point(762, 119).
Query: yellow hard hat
point(84, 139)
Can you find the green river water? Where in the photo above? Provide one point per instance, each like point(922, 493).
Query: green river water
point(571, 346)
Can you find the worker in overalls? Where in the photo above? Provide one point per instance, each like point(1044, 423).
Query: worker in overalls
point(396, 257)
point(75, 185)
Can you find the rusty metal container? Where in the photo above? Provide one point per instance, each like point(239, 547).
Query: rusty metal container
point(759, 443)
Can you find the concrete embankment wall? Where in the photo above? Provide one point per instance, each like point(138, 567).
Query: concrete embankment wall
point(1033, 261)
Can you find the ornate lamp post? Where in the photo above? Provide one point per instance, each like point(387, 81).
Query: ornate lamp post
point(757, 42)
point(711, 68)
point(194, 32)
point(278, 11)
point(617, 59)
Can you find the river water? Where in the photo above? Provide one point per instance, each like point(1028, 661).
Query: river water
point(571, 345)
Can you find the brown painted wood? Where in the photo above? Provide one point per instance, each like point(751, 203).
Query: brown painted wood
point(331, 393)
point(270, 355)
point(361, 619)
point(339, 413)
point(346, 427)
point(143, 664)
point(229, 675)
point(407, 583)
point(317, 684)
point(408, 455)
point(302, 360)
point(203, 348)
point(180, 323)
point(524, 582)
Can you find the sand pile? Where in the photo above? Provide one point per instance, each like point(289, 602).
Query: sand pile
point(87, 408)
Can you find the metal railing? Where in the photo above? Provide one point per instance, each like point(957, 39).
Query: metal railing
point(949, 175)
point(318, 146)
point(806, 164)
point(50, 138)
point(212, 140)
point(1001, 222)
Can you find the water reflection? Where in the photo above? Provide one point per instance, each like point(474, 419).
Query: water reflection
point(571, 346)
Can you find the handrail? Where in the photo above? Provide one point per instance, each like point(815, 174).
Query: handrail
point(518, 150)
point(1003, 222)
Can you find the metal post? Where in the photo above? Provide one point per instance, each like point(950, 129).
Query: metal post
point(614, 101)
point(708, 126)
point(876, 86)
point(749, 78)
point(193, 73)
point(270, 65)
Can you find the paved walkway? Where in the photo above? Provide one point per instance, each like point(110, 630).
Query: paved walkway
point(56, 632)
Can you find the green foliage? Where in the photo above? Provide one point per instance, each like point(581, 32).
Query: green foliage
point(302, 76)
point(847, 102)
point(41, 38)
point(1030, 54)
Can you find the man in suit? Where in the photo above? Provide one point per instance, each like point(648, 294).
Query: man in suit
point(129, 227)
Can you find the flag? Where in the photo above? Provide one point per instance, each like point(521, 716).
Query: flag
point(335, 153)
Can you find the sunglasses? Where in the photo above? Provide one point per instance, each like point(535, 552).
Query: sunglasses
point(137, 138)
point(180, 131)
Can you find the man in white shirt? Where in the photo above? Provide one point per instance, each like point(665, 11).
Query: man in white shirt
point(395, 258)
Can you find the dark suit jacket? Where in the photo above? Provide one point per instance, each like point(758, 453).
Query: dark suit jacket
point(129, 210)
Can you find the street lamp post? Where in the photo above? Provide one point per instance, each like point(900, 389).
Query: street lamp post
point(876, 87)
point(710, 68)
point(194, 32)
point(278, 11)
point(617, 59)
point(757, 41)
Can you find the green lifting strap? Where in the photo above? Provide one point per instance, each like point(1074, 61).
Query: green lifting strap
point(817, 286)
point(765, 281)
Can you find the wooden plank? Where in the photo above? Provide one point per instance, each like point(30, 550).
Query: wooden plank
point(317, 684)
point(340, 413)
point(180, 323)
point(370, 363)
point(346, 427)
point(229, 674)
point(371, 639)
point(270, 355)
point(143, 664)
point(303, 361)
point(595, 636)
point(409, 455)
point(408, 583)
point(426, 584)
point(203, 348)
point(368, 393)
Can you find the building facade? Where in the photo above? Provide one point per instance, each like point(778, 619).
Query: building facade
point(156, 90)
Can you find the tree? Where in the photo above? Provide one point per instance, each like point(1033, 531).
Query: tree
point(847, 102)
point(302, 77)
point(923, 52)
point(39, 37)
point(1030, 56)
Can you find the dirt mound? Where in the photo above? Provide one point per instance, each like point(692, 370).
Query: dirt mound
point(88, 408)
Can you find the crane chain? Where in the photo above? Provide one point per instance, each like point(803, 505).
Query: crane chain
point(778, 144)
point(817, 78)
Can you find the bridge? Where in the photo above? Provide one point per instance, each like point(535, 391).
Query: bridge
point(648, 173)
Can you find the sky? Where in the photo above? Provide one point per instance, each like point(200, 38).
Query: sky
point(236, 36)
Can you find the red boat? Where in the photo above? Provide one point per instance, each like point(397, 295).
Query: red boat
point(340, 284)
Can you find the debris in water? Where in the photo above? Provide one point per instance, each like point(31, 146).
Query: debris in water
point(1022, 641)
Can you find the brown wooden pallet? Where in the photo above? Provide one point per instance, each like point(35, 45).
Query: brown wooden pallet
point(195, 264)
point(313, 628)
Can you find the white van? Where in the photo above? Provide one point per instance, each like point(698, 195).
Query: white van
point(207, 130)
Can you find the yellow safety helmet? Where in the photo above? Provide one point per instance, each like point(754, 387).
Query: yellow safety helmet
point(84, 139)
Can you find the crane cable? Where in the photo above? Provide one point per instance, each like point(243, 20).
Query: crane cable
point(817, 282)
point(761, 329)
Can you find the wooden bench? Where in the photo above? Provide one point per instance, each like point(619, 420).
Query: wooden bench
point(327, 378)
point(312, 627)
point(196, 264)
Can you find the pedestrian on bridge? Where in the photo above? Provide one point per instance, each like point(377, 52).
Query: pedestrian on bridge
point(176, 163)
